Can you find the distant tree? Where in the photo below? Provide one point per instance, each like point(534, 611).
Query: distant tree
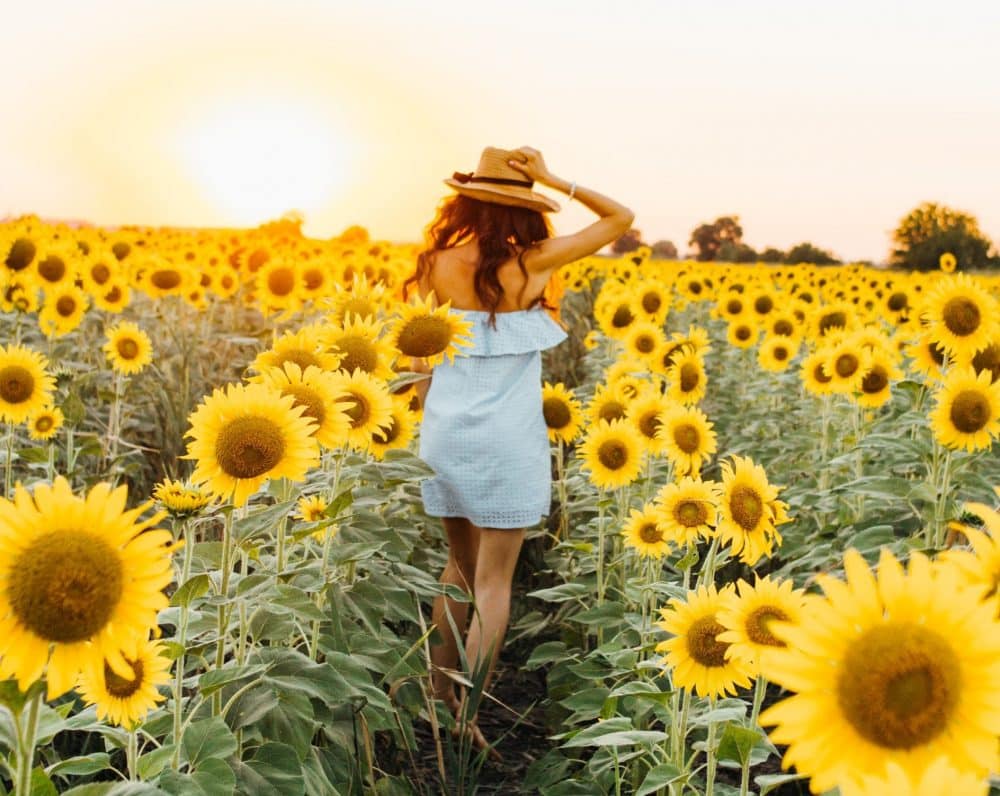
point(730, 252)
point(664, 250)
point(772, 255)
point(708, 238)
point(930, 230)
point(628, 242)
point(808, 253)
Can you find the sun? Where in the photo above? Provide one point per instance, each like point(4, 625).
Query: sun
point(257, 157)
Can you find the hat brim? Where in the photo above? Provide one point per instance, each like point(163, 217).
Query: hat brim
point(529, 199)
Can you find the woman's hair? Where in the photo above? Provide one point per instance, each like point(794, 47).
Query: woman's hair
point(498, 228)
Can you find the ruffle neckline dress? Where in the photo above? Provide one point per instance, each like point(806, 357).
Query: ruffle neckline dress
point(483, 432)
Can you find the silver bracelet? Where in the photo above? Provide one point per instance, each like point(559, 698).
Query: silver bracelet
point(572, 190)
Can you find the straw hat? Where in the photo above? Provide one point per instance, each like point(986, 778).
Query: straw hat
point(494, 180)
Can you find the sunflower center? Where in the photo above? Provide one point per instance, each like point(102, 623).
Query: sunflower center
point(734, 306)
point(846, 365)
point(897, 302)
point(281, 281)
point(690, 513)
point(820, 374)
point(899, 685)
point(687, 437)
point(424, 337)
point(127, 348)
point(689, 377)
point(308, 398)
point(780, 353)
point(166, 279)
point(44, 423)
point(742, 333)
point(312, 278)
point(52, 268)
point(644, 344)
point(113, 295)
point(65, 585)
point(119, 686)
point(651, 302)
point(121, 250)
point(650, 534)
point(746, 506)
point(649, 424)
point(247, 447)
point(358, 409)
point(612, 454)
point(358, 306)
point(875, 380)
point(16, 384)
point(358, 353)
point(784, 328)
point(100, 273)
point(830, 320)
point(611, 410)
point(386, 436)
point(556, 412)
point(763, 304)
point(936, 352)
point(758, 625)
point(988, 359)
point(623, 317)
point(300, 357)
point(961, 315)
point(21, 254)
point(66, 306)
point(702, 644)
point(970, 411)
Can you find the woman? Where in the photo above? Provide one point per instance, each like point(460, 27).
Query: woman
point(491, 255)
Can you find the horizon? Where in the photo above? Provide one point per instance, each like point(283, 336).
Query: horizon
point(810, 124)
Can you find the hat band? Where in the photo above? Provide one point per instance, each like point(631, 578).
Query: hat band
point(462, 177)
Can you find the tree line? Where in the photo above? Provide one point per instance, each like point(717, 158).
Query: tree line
point(919, 240)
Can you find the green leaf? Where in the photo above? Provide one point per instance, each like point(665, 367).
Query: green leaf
point(737, 742)
point(547, 652)
point(274, 768)
point(41, 785)
point(258, 522)
point(208, 739)
point(85, 764)
point(768, 782)
point(152, 763)
point(190, 590)
point(213, 778)
point(605, 614)
point(617, 731)
point(562, 592)
point(658, 777)
point(689, 559)
point(215, 679)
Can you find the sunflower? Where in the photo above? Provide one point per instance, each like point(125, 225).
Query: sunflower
point(782, 323)
point(304, 347)
point(82, 582)
point(747, 617)
point(961, 316)
point(742, 332)
point(653, 301)
point(749, 511)
point(875, 386)
point(688, 509)
point(311, 508)
point(967, 414)
point(362, 300)
point(45, 422)
point(247, 434)
point(814, 375)
point(128, 348)
point(644, 534)
point(277, 284)
point(643, 339)
point(317, 392)
point(591, 339)
point(607, 404)
point(398, 433)
point(126, 700)
point(762, 302)
point(688, 438)
point(939, 778)
point(159, 277)
point(732, 307)
point(563, 414)
point(927, 356)
point(180, 499)
point(696, 655)
point(687, 377)
point(423, 331)
point(847, 363)
point(776, 353)
point(947, 262)
point(614, 317)
point(63, 310)
point(369, 406)
point(987, 360)
point(114, 298)
point(836, 315)
point(901, 669)
point(360, 346)
point(612, 452)
point(25, 387)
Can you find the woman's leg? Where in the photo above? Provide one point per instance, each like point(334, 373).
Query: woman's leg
point(498, 552)
point(463, 550)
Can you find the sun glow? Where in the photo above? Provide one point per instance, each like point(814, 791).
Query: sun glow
point(258, 157)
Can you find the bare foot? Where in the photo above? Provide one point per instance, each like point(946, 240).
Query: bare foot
point(473, 732)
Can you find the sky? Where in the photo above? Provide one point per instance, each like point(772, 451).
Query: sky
point(812, 121)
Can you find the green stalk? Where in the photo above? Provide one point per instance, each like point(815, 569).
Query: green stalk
point(600, 560)
point(223, 613)
point(710, 754)
point(132, 754)
point(26, 737)
point(182, 623)
point(9, 463)
point(944, 487)
point(563, 530)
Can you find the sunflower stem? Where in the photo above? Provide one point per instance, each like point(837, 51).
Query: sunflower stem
point(707, 575)
point(600, 560)
point(710, 753)
point(182, 623)
point(9, 462)
point(223, 613)
point(132, 754)
point(282, 523)
point(759, 689)
point(941, 504)
point(563, 531)
point(26, 745)
point(114, 423)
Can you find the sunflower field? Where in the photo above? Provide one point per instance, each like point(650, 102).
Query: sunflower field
point(771, 563)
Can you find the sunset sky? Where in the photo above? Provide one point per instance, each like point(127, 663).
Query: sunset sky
point(823, 122)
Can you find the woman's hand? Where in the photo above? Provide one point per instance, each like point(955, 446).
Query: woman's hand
point(529, 162)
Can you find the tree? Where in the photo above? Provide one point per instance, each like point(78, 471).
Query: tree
point(930, 230)
point(629, 242)
point(772, 255)
point(709, 237)
point(664, 250)
point(808, 253)
point(730, 252)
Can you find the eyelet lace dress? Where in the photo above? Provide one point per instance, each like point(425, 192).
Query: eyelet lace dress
point(483, 432)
